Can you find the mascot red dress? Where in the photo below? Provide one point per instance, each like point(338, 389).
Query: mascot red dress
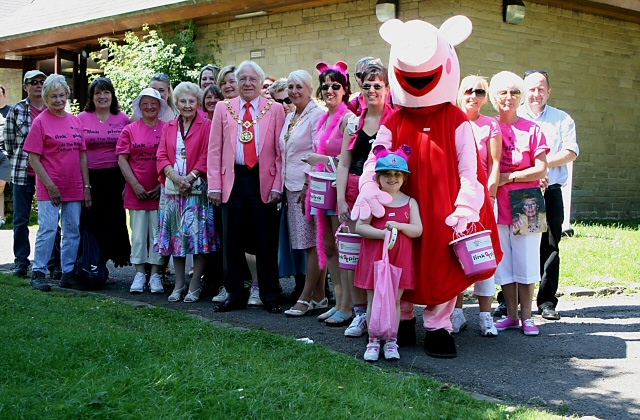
point(424, 75)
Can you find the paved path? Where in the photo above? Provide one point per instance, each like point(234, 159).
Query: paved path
point(588, 363)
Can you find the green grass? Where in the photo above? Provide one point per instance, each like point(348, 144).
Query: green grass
point(68, 355)
point(601, 254)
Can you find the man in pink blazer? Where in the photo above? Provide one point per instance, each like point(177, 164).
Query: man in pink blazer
point(244, 169)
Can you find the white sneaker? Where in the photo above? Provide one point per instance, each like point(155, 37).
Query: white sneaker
point(391, 350)
point(138, 283)
point(487, 328)
point(221, 296)
point(155, 284)
point(373, 350)
point(358, 326)
point(254, 297)
point(458, 321)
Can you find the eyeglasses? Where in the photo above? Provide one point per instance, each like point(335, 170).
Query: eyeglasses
point(58, 97)
point(542, 72)
point(503, 93)
point(367, 86)
point(480, 93)
point(266, 86)
point(284, 101)
point(35, 82)
point(335, 86)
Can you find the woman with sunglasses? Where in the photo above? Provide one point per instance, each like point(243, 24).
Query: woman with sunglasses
point(279, 93)
point(334, 90)
point(266, 86)
point(523, 163)
point(374, 82)
point(472, 96)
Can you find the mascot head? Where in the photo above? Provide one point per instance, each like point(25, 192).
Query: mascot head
point(423, 66)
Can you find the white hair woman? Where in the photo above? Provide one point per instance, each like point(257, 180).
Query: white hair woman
point(57, 154)
point(296, 141)
point(522, 164)
point(186, 217)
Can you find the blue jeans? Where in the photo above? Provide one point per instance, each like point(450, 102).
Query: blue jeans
point(48, 219)
point(22, 200)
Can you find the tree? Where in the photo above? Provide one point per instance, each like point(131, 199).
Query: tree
point(131, 65)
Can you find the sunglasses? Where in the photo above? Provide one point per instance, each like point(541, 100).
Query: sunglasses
point(284, 101)
point(503, 93)
point(35, 82)
point(335, 86)
point(367, 86)
point(480, 93)
point(266, 86)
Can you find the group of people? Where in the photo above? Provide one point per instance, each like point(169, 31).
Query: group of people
point(220, 171)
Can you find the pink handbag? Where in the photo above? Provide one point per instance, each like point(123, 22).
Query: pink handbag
point(383, 323)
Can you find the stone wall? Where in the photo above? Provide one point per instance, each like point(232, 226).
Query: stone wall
point(592, 62)
point(11, 79)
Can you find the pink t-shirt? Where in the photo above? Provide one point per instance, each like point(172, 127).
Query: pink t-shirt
point(522, 142)
point(58, 141)
point(140, 142)
point(34, 113)
point(484, 128)
point(101, 138)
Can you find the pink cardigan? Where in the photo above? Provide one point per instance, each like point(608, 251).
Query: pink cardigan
point(196, 143)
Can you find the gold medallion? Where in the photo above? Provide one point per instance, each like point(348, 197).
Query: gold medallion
point(246, 136)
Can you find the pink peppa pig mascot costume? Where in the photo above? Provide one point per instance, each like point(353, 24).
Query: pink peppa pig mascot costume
point(424, 75)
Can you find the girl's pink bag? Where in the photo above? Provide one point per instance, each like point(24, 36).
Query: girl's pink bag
point(383, 322)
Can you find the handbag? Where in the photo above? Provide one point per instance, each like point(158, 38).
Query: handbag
point(383, 322)
point(197, 188)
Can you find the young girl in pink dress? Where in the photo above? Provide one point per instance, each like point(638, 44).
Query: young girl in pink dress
point(401, 214)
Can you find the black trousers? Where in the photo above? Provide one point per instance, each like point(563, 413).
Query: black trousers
point(249, 223)
point(549, 249)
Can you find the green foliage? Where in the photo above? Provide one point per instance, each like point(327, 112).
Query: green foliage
point(131, 65)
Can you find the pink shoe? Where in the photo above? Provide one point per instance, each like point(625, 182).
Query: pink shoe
point(529, 327)
point(506, 323)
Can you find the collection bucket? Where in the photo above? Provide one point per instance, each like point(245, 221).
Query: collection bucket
point(348, 248)
point(322, 190)
point(475, 253)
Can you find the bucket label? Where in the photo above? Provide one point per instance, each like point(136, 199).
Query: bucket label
point(348, 259)
point(350, 247)
point(483, 257)
point(318, 186)
point(478, 243)
point(316, 198)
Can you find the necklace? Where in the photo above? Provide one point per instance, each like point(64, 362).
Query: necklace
point(246, 136)
point(294, 123)
point(102, 118)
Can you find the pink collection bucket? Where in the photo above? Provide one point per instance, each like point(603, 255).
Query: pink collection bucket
point(322, 190)
point(475, 253)
point(348, 248)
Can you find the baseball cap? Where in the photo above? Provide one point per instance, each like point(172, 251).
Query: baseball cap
point(154, 94)
point(31, 74)
point(392, 162)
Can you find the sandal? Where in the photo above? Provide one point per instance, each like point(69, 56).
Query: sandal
point(327, 314)
point(298, 312)
point(176, 295)
point(193, 296)
point(338, 319)
point(323, 304)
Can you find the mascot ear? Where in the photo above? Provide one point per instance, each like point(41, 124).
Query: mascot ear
point(392, 31)
point(322, 66)
point(455, 29)
point(380, 151)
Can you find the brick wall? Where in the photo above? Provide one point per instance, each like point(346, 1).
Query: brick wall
point(592, 61)
point(11, 79)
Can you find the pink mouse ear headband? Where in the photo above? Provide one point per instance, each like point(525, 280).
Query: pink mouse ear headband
point(340, 66)
point(403, 151)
